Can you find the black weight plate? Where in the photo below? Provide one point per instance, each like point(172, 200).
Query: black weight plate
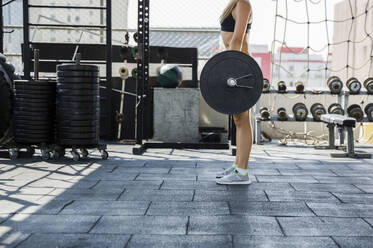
point(84, 123)
point(32, 141)
point(33, 105)
point(93, 81)
point(80, 92)
point(36, 83)
point(77, 73)
point(77, 135)
point(89, 107)
point(76, 67)
point(45, 137)
point(78, 86)
point(227, 65)
point(72, 117)
point(50, 92)
point(43, 109)
point(32, 122)
point(22, 100)
point(86, 99)
point(67, 129)
point(50, 87)
point(31, 127)
point(78, 111)
point(35, 96)
point(77, 141)
point(41, 133)
point(43, 115)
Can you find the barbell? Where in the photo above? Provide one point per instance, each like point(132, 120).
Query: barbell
point(231, 82)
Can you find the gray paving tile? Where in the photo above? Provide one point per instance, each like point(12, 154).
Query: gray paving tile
point(281, 179)
point(141, 225)
point(170, 177)
point(50, 223)
point(76, 240)
point(214, 164)
point(178, 241)
point(103, 175)
point(342, 209)
point(128, 184)
point(355, 198)
point(156, 195)
point(135, 170)
point(262, 186)
point(45, 182)
point(254, 195)
point(201, 185)
point(26, 190)
point(354, 242)
point(12, 239)
point(300, 196)
point(345, 180)
point(360, 166)
point(314, 166)
point(212, 177)
point(86, 194)
point(234, 224)
point(288, 166)
point(283, 242)
point(338, 188)
point(99, 208)
point(365, 188)
point(194, 171)
point(353, 173)
point(324, 226)
point(270, 208)
point(188, 208)
point(12, 205)
point(301, 172)
point(370, 221)
point(170, 163)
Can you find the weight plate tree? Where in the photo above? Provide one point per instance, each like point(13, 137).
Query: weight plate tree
point(231, 82)
point(34, 111)
point(77, 105)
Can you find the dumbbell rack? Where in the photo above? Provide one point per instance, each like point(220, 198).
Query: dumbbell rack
point(342, 100)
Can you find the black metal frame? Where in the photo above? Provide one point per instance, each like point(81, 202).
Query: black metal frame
point(143, 90)
point(26, 52)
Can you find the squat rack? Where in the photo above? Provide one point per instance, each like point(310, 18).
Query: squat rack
point(143, 90)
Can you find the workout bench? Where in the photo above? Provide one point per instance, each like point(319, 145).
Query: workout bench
point(346, 124)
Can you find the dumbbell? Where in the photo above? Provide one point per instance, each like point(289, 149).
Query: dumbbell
point(335, 85)
point(300, 111)
point(336, 109)
point(317, 110)
point(356, 112)
point(266, 85)
point(299, 87)
point(369, 111)
point(281, 87)
point(368, 84)
point(282, 115)
point(264, 113)
point(354, 86)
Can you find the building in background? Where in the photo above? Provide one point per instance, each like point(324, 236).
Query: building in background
point(357, 53)
point(291, 65)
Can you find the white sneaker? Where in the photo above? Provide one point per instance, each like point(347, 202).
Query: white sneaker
point(225, 172)
point(234, 178)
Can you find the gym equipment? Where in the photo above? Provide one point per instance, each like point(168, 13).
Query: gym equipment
point(369, 111)
point(170, 76)
point(264, 113)
point(281, 87)
point(78, 108)
point(317, 110)
point(335, 85)
point(266, 85)
point(300, 112)
point(347, 124)
point(124, 74)
point(368, 84)
point(282, 115)
point(231, 82)
point(356, 112)
point(336, 109)
point(354, 86)
point(299, 87)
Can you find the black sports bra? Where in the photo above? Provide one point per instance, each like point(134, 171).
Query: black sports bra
point(227, 25)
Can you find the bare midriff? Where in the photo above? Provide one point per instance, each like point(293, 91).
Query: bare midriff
point(227, 37)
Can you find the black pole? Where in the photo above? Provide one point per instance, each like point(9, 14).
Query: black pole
point(109, 65)
point(1, 28)
point(26, 40)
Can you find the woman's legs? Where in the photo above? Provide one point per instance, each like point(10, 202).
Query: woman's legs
point(244, 139)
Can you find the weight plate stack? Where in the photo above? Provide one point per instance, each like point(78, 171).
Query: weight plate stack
point(34, 111)
point(77, 105)
point(5, 106)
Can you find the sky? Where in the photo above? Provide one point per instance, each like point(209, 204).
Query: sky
point(205, 13)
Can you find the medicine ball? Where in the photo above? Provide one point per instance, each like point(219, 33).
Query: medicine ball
point(170, 76)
